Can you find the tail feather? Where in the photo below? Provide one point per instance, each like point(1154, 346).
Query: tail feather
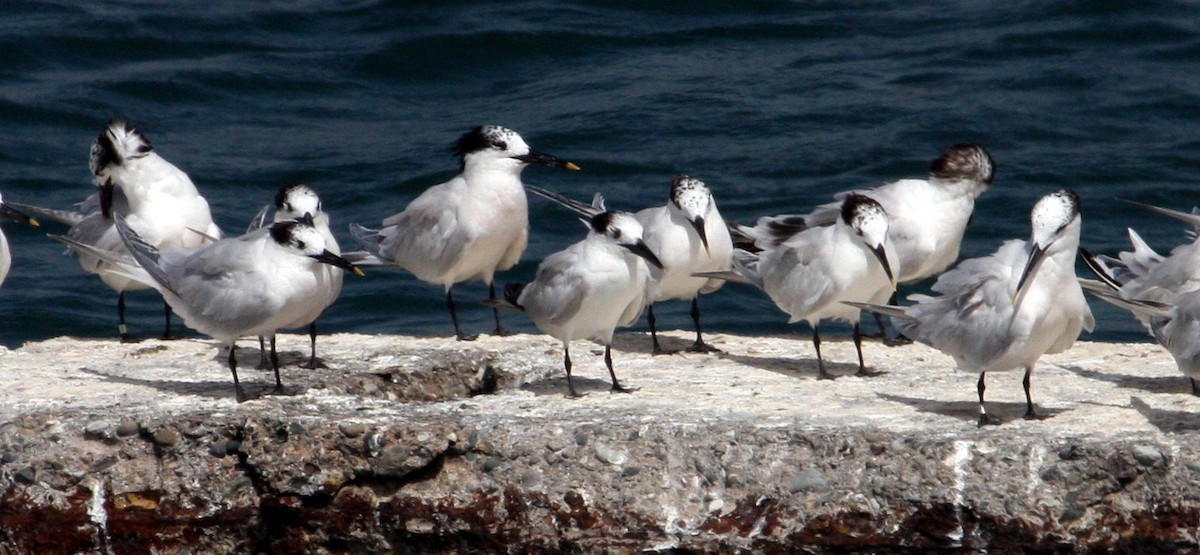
point(66, 217)
point(369, 239)
point(883, 310)
point(1099, 268)
point(512, 292)
point(1140, 308)
point(119, 263)
point(259, 219)
point(586, 210)
point(147, 255)
point(1191, 218)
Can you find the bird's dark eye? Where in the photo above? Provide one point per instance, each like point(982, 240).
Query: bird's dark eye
point(616, 233)
point(288, 206)
point(501, 145)
point(300, 245)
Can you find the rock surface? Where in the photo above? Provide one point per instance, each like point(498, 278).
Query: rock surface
point(427, 444)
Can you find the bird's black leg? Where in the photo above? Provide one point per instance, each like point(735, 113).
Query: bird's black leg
point(888, 340)
point(821, 373)
point(167, 322)
point(862, 369)
point(275, 366)
point(263, 362)
point(1029, 412)
point(650, 319)
point(312, 345)
point(567, 366)
point(121, 329)
point(983, 415)
point(499, 331)
point(616, 386)
point(237, 387)
point(454, 318)
point(699, 346)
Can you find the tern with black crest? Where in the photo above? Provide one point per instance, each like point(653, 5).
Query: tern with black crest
point(467, 228)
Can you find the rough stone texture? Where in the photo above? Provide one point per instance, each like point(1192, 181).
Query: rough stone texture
point(426, 444)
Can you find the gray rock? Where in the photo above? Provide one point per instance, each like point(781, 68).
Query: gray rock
point(807, 480)
point(610, 455)
point(1147, 455)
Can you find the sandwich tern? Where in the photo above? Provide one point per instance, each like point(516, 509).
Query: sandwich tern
point(298, 201)
point(157, 199)
point(689, 236)
point(248, 285)
point(590, 288)
point(9, 213)
point(1004, 311)
point(469, 227)
point(810, 274)
point(926, 217)
point(1163, 293)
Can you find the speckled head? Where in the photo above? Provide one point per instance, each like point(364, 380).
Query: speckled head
point(964, 162)
point(1055, 211)
point(690, 195)
point(869, 221)
point(490, 137)
point(626, 231)
point(119, 142)
point(297, 199)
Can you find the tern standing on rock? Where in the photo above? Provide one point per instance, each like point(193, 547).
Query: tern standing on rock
point(299, 202)
point(926, 217)
point(689, 236)
point(590, 288)
point(1004, 311)
point(467, 228)
point(812, 273)
point(157, 199)
point(249, 285)
point(1163, 293)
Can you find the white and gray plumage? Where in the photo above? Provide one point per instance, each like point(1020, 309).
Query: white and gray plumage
point(926, 217)
point(298, 201)
point(689, 236)
point(157, 199)
point(814, 272)
point(467, 228)
point(9, 213)
point(249, 285)
point(1004, 311)
point(590, 288)
point(1163, 293)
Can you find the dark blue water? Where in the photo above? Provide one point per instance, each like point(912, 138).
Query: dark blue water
point(776, 105)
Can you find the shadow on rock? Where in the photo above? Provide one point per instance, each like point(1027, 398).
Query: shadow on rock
point(1151, 384)
point(968, 411)
point(1167, 421)
point(796, 368)
point(583, 385)
point(213, 389)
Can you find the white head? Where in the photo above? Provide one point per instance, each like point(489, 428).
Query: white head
point(295, 200)
point(495, 145)
point(692, 198)
point(869, 222)
point(117, 144)
point(624, 229)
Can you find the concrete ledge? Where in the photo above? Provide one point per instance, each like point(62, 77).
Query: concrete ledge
point(427, 444)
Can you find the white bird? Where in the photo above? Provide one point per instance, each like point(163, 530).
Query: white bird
point(812, 273)
point(1163, 293)
point(590, 288)
point(298, 201)
point(926, 217)
point(467, 228)
point(689, 236)
point(248, 285)
point(9, 213)
point(1006, 310)
point(157, 199)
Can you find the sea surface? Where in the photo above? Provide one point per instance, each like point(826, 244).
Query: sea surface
point(776, 105)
